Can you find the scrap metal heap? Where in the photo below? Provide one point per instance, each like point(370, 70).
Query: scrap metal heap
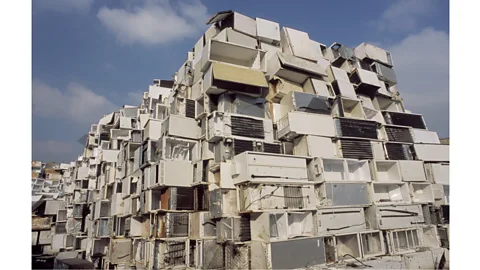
point(268, 150)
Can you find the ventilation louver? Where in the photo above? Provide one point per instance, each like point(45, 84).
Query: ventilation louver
point(247, 127)
point(356, 128)
point(397, 151)
point(358, 149)
point(399, 134)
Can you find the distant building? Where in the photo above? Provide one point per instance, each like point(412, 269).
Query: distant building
point(445, 141)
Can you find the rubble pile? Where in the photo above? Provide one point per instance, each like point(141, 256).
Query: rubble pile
point(268, 150)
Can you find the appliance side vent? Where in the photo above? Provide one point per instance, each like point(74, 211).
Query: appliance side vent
point(398, 134)
point(247, 127)
point(406, 119)
point(357, 149)
point(397, 151)
point(240, 146)
point(357, 128)
point(293, 197)
point(272, 148)
point(190, 108)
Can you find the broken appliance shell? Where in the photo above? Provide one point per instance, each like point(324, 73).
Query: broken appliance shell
point(202, 226)
point(254, 198)
point(319, 88)
point(295, 124)
point(349, 108)
point(412, 170)
point(386, 171)
point(394, 216)
point(233, 54)
point(432, 152)
point(304, 102)
point(425, 136)
point(390, 193)
point(297, 43)
point(404, 119)
point(373, 244)
point(402, 241)
point(338, 221)
point(223, 203)
point(422, 192)
point(343, 194)
point(222, 125)
point(233, 229)
point(219, 78)
point(366, 82)
point(373, 53)
point(269, 168)
point(337, 169)
point(438, 173)
point(293, 68)
point(182, 127)
point(177, 173)
point(314, 146)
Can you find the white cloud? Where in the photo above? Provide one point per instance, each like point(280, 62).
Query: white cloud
point(156, 22)
point(55, 151)
point(64, 6)
point(77, 104)
point(421, 62)
point(134, 98)
point(403, 15)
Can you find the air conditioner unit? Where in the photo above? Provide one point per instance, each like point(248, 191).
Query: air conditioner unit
point(346, 107)
point(294, 69)
point(343, 194)
point(219, 78)
point(398, 151)
point(355, 148)
point(422, 193)
point(438, 173)
point(314, 146)
point(183, 107)
point(223, 203)
point(354, 128)
point(384, 73)
point(177, 173)
point(268, 31)
point(366, 82)
point(202, 226)
point(170, 148)
point(298, 44)
point(412, 171)
point(373, 244)
point(372, 53)
point(177, 198)
point(222, 125)
point(205, 104)
point(233, 229)
point(404, 119)
point(390, 193)
point(347, 244)
point(386, 171)
point(394, 216)
point(254, 198)
point(231, 36)
point(344, 89)
point(173, 225)
point(208, 254)
point(431, 152)
point(425, 136)
point(398, 133)
point(182, 127)
point(305, 102)
point(295, 124)
point(319, 87)
point(403, 241)
point(338, 221)
point(228, 148)
point(241, 104)
point(338, 54)
point(148, 152)
point(216, 51)
point(152, 130)
point(266, 167)
point(237, 21)
point(306, 251)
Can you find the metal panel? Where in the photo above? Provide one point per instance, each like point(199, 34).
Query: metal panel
point(298, 253)
point(347, 194)
point(432, 152)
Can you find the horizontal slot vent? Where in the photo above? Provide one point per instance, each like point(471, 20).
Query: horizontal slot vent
point(272, 148)
point(247, 127)
point(398, 134)
point(405, 119)
point(240, 146)
point(357, 128)
point(244, 229)
point(397, 151)
point(357, 149)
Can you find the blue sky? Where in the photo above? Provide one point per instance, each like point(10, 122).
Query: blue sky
point(91, 57)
